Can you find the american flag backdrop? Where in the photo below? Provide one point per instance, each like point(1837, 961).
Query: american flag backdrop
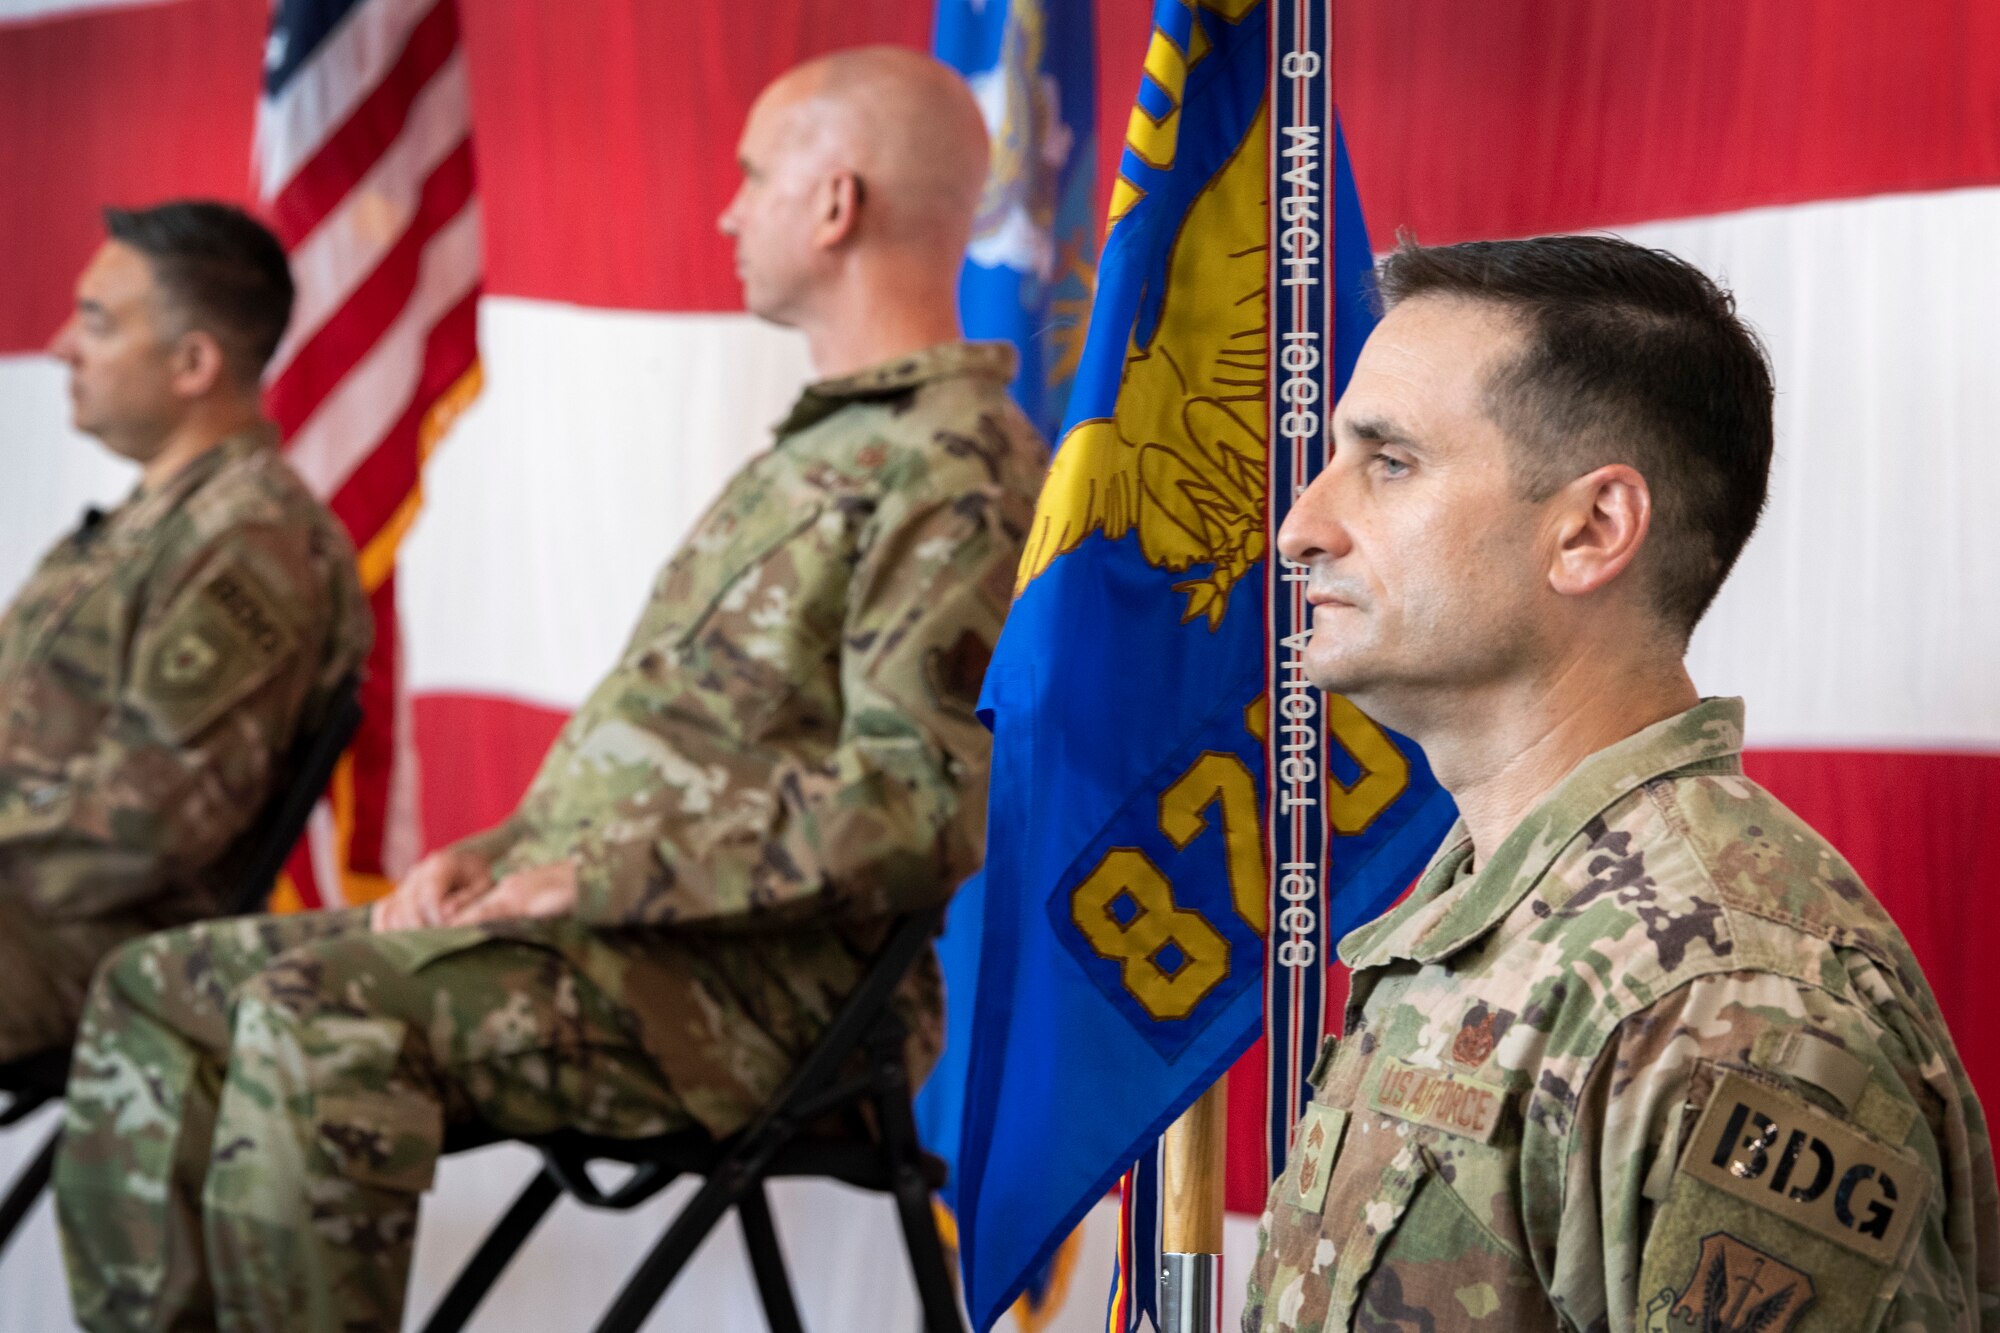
point(1835, 163)
point(364, 165)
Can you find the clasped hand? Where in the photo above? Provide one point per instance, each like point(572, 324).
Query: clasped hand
point(455, 887)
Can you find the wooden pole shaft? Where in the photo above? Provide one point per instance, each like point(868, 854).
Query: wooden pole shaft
point(1191, 1156)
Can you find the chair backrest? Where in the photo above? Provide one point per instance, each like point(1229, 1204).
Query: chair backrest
point(307, 770)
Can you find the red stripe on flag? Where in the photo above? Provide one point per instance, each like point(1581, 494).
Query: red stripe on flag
point(1474, 121)
point(374, 748)
point(1464, 120)
point(354, 329)
point(624, 161)
point(481, 752)
point(125, 106)
point(630, 223)
point(376, 490)
point(351, 152)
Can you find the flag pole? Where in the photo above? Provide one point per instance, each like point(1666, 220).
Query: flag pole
point(1191, 1154)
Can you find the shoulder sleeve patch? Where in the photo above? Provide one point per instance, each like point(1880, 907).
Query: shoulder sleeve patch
point(1775, 1152)
point(222, 639)
point(1779, 1217)
point(1735, 1285)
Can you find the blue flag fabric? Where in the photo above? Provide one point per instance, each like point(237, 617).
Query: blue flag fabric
point(1119, 970)
point(1032, 262)
point(1109, 963)
point(1027, 278)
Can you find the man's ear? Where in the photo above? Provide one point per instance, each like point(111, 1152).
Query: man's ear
point(839, 210)
point(198, 363)
point(1601, 522)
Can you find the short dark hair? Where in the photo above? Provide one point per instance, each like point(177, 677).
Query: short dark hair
point(1631, 356)
point(222, 270)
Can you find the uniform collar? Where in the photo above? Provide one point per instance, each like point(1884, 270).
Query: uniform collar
point(823, 398)
point(1428, 926)
point(143, 508)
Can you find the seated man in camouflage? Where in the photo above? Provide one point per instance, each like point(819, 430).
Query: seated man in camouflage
point(157, 666)
point(784, 757)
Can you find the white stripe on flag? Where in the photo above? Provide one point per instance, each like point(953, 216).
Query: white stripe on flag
point(321, 96)
point(22, 11)
point(1862, 613)
point(600, 437)
point(347, 246)
point(352, 420)
point(323, 847)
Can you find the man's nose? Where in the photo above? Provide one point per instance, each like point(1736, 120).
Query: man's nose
point(63, 345)
point(1313, 527)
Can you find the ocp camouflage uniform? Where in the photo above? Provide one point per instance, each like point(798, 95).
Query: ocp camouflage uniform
point(154, 672)
point(784, 757)
point(1661, 1063)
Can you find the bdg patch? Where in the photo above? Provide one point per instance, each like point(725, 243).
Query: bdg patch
point(1439, 1099)
point(1777, 1153)
point(1738, 1288)
point(1316, 1147)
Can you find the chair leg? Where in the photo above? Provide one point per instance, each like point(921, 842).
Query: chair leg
point(27, 1187)
point(767, 1261)
point(490, 1260)
point(642, 1291)
point(928, 1265)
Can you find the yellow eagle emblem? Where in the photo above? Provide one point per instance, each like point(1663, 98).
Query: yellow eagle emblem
point(1182, 457)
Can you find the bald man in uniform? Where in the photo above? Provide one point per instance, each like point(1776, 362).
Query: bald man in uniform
point(783, 759)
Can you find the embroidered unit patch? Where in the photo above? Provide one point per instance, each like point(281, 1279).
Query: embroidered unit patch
point(1738, 1288)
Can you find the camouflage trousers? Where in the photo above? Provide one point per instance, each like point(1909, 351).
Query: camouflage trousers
point(45, 970)
point(257, 1105)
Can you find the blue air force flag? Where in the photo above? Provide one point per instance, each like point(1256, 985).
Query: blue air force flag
point(1028, 273)
point(1147, 860)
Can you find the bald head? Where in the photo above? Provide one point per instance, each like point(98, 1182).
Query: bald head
point(905, 125)
point(862, 171)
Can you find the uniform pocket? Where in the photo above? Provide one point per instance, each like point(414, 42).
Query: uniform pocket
point(390, 1140)
point(765, 630)
point(1372, 1216)
point(722, 578)
point(375, 1129)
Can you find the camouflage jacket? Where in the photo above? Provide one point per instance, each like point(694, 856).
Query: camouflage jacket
point(1662, 1063)
point(786, 751)
point(154, 671)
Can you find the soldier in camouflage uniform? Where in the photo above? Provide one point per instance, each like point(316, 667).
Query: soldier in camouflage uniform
point(157, 666)
point(1639, 1052)
point(783, 759)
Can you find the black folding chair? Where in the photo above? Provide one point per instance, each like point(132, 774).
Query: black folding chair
point(32, 1083)
point(882, 1154)
point(253, 867)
